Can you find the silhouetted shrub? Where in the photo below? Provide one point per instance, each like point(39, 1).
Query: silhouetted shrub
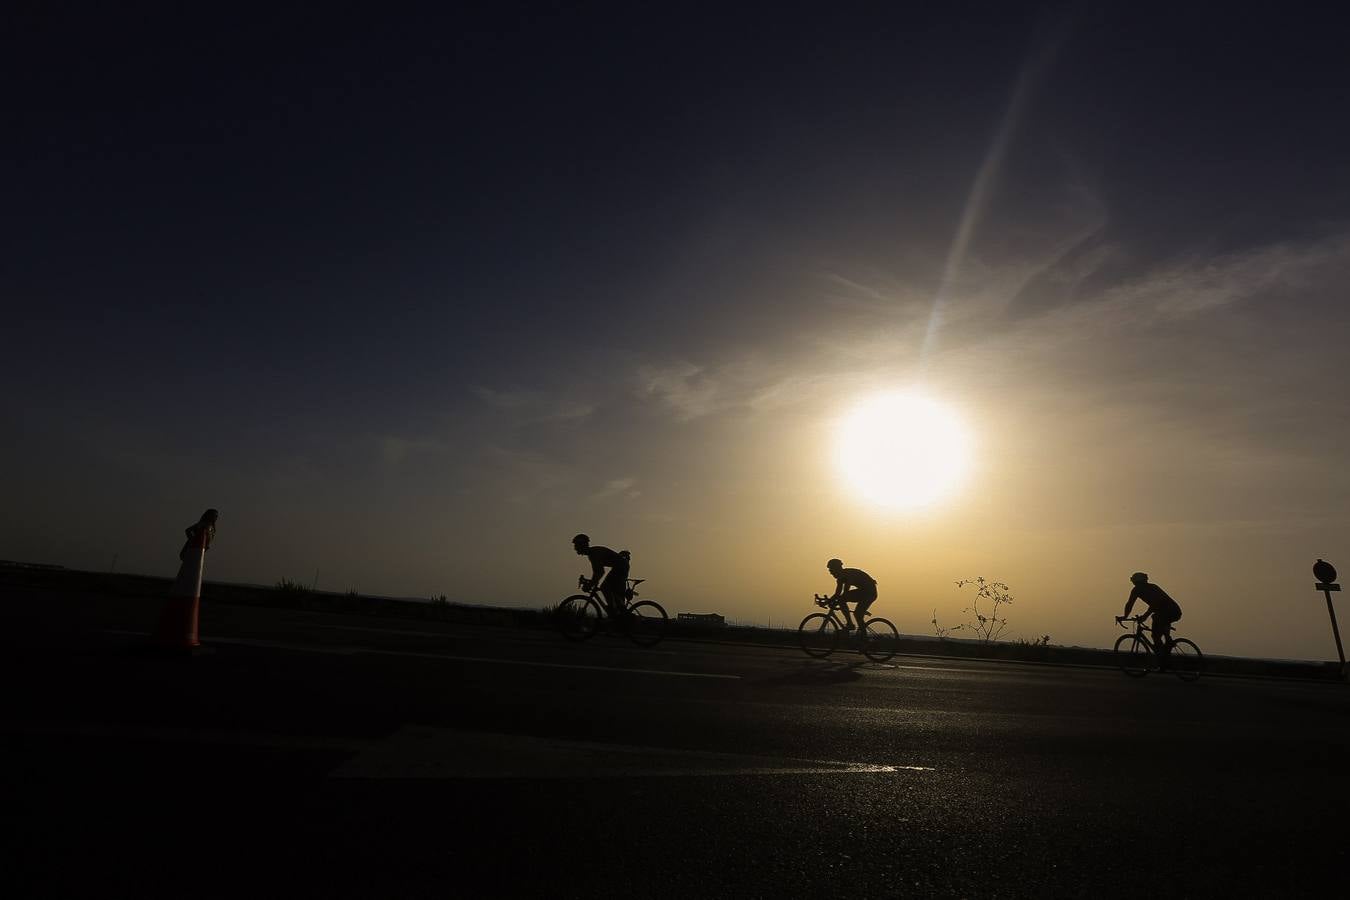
point(983, 610)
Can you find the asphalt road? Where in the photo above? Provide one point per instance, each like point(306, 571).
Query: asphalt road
point(356, 756)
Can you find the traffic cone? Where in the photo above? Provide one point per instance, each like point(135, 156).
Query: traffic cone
point(177, 629)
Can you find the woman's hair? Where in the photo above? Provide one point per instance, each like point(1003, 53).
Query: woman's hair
point(210, 516)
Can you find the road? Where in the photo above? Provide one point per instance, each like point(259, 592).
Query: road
point(358, 756)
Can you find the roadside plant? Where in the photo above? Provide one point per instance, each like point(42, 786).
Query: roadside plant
point(983, 611)
point(286, 586)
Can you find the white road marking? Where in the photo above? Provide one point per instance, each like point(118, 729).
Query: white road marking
point(528, 663)
point(419, 752)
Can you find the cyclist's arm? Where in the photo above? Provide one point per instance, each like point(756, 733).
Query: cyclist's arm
point(1129, 604)
point(838, 589)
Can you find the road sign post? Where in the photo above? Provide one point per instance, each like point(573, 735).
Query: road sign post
point(1325, 573)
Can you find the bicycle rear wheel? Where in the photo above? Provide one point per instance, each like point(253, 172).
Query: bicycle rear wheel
point(578, 617)
point(1186, 661)
point(818, 635)
point(880, 640)
point(1133, 656)
point(646, 623)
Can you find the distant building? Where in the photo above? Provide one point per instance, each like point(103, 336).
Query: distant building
point(702, 618)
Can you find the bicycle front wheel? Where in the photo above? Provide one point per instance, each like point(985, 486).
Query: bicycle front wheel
point(818, 635)
point(1133, 656)
point(880, 640)
point(646, 623)
point(578, 617)
point(1186, 662)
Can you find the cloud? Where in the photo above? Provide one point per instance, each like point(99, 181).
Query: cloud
point(617, 487)
point(534, 405)
point(880, 294)
point(1114, 332)
point(1199, 286)
point(393, 450)
point(688, 389)
point(505, 399)
point(523, 477)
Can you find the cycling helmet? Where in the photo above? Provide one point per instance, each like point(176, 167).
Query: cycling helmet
point(1139, 578)
point(834, 564)
point(581, 539)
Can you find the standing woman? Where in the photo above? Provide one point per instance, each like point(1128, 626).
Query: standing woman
point(188, 583)
point(206, 523)
point(177, 629)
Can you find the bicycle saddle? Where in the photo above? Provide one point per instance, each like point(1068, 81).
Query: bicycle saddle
point(636, 581)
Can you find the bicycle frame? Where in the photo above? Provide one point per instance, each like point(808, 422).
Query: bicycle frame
point(834, 606)
point(1143, 634)
point(629, 592)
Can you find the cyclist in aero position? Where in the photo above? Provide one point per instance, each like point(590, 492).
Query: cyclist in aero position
point(852, 586)
point(1164, 609)
point(614, 584)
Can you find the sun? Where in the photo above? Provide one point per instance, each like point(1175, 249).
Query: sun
point(903, 450)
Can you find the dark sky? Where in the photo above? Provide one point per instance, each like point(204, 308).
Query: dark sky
point(393, 289)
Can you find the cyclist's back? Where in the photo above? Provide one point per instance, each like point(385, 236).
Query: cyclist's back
point(855, 579)
point(1158, 601)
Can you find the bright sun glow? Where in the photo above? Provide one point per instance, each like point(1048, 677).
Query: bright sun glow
point(903, 450)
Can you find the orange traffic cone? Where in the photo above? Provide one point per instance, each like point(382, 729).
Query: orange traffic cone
point(177, 629)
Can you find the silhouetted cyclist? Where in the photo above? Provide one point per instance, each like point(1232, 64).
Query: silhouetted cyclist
point(1164, 610)
point(852, 586)
point(614, 585)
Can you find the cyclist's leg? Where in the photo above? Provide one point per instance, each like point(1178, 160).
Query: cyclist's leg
point(844, 601)
point(613, 589)
point(864, 599)
point(1162, 638)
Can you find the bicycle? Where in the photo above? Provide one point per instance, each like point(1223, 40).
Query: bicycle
point(580, 616)
point(819, 633)
point(1136, 656)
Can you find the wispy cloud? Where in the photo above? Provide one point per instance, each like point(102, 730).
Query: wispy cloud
point(523, 477)
point(690, 390)
point(393, 449)
point(534, 405)
point(1031, 74)
point(503, 399)
point(1200, 285)
point(1116, 321)
point(618, 487)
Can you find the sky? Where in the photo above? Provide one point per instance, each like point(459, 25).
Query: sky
point(414, 296)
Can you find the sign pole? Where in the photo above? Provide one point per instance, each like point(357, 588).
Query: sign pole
point(1326, 590)
point(1325, 573)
